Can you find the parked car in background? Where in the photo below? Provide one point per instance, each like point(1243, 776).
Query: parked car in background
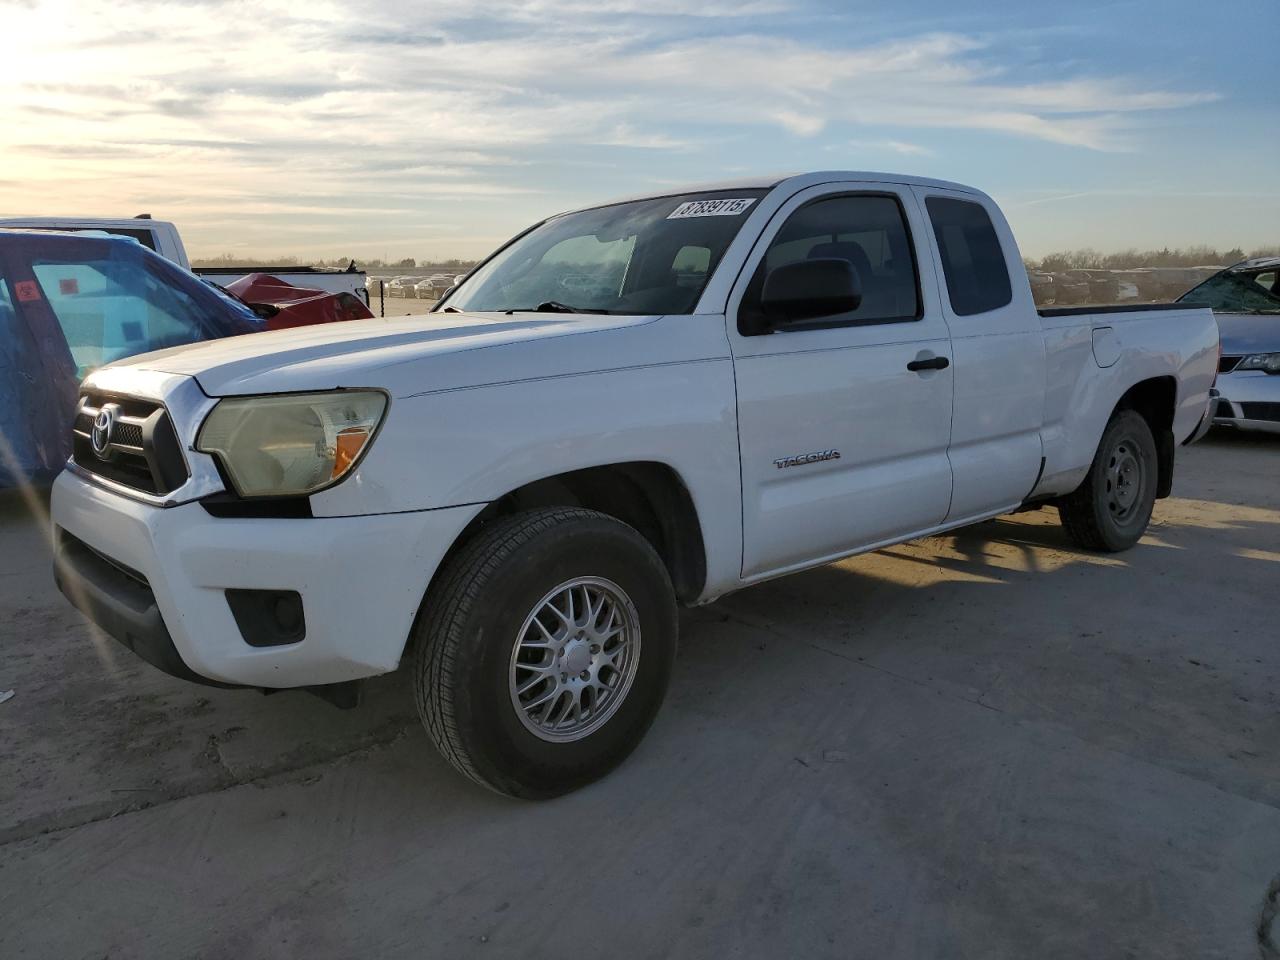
point(284, 305)
point(1069, 290)
point(1102, 286)
point(1246, 300)
point(70, 303)
point(1126, 286)
point(1042, 287)
point(528, 482)
point(1176, 281)
point(432, 287)
point(163, 237)
point(402, 286)
point(1147, 281)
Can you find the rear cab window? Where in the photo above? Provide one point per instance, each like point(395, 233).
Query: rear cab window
point(973, 262)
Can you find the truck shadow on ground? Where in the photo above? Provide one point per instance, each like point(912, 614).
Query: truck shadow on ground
point(1229, 438)
point(930, 612)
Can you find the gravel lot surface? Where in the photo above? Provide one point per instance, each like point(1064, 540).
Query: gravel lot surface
point(987, 744)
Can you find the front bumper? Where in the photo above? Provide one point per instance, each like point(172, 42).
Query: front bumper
point(157, 580)
point(1249, 400)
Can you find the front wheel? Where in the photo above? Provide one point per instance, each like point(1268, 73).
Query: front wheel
point(1111, 508)
point(544, 650)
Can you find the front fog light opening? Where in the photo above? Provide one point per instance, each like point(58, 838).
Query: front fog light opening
point(268, 618)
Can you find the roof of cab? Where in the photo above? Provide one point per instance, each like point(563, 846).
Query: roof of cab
point(792, 181)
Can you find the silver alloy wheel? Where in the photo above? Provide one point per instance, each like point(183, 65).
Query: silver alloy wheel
point(574, 659)
point(1124, 480)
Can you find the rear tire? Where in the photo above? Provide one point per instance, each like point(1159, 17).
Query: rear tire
point(544, 650)
point(1111, 508)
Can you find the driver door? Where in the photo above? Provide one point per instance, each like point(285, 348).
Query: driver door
point(842, 445)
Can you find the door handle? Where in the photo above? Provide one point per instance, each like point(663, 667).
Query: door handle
point(932, 363)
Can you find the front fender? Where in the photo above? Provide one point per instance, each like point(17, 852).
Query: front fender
point(472, 446)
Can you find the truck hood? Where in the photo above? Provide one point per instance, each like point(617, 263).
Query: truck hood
point(391, 353)
point(1243, 333)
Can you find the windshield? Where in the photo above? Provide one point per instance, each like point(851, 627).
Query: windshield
point(646, 256)
point(1237, 293)
point(115, 299)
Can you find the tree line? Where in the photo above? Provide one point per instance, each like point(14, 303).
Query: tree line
point(1194, 256)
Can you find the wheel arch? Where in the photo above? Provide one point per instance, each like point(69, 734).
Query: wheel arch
point(647, 495)
point(1156, 401)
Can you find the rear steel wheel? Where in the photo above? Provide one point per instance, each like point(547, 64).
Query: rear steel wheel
point(1124, 480)
point(1111, 508)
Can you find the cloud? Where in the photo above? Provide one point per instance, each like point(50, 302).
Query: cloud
point(225, 102)
point(891, 146)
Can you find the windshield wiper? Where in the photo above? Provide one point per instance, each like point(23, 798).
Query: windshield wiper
point(550, 306)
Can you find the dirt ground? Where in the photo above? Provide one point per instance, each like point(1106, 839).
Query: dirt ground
point(987, 744)
point(400, 307)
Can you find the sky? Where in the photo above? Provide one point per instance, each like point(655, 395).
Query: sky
point(370, 128)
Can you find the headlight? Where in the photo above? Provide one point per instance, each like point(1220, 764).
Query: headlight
point(292, 444)
point(1270, 362)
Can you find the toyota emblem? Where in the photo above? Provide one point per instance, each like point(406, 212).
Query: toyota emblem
point(104, 425)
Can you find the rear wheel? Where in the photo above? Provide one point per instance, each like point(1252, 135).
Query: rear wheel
point(544, 650)
point(1111, 508)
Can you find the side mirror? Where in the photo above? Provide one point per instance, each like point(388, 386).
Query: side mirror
point(809, 289)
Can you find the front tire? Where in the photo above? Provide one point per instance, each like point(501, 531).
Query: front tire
point(544, 650)
point(1111, 508)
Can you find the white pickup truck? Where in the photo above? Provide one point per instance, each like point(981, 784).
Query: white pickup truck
point(163, 237)
point(635, 405)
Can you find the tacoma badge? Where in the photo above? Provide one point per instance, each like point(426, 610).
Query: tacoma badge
point(803, 458)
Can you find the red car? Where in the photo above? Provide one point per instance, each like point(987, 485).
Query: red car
point(283, 305)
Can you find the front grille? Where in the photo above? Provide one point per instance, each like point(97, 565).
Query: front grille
point(1260, 411)
point(144, 452)
point(128, 434)
point(1227, 364)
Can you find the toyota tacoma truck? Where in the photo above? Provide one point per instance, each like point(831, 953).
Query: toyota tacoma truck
point(628, 407)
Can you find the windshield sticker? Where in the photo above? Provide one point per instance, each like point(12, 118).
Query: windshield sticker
point(68, 286)
point(711, 208)
point(27, 291)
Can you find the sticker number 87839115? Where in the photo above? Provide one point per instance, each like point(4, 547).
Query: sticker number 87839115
point(711, 208)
